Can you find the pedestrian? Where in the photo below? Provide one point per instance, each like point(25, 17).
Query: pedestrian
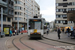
point(63, 30)
point(10, 34)
point(71, 31)
point(0, 32)
point(58, 31)
point(15, 32)
point(68, 31)
point(47, 31)
point(74, 32)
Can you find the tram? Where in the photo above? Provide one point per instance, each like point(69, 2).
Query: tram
point(35, 27)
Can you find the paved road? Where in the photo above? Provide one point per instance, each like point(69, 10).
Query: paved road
point(23, 42)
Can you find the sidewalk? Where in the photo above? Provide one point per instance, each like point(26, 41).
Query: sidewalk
point(64, 38)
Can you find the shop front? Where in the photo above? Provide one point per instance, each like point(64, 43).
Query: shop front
point(21, 26)
point(6, 29)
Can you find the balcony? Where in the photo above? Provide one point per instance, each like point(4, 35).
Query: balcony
point(3, 3)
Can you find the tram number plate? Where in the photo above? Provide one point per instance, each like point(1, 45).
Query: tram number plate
point(35, 30)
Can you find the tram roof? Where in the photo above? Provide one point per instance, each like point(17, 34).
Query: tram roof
point(36, 18)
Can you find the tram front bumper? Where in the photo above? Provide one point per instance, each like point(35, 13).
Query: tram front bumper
point(35, 35)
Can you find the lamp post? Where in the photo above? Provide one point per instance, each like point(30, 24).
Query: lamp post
point(1, 21)
point(17, 23)
point(27, 25)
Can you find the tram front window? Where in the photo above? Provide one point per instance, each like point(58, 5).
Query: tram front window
point(35, 24)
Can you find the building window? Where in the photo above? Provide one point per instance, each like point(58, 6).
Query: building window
point(73, 3)
point(61, 22)
point(15, 13)
point(9, 19)
point(56, 10)
point(18, 8)
point(56, 21)
point(70, 21)
point(4, 18)
point(15, 18)
point(56, 4)
point(18, 2)
point(4, 0)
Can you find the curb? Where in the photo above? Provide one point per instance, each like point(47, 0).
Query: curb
point(59, 41)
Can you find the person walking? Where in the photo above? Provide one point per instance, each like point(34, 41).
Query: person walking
point(68, 31)
point(15, 32)
point(58, 31)
point(10, 34)
point(47, 31)
point(71, 31)
point(63, 30)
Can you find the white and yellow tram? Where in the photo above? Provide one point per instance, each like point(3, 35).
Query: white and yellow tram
point(35, 27)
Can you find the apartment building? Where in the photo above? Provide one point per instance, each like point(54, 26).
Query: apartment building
point(62, 7)
point(24, 9)
point(8, 10)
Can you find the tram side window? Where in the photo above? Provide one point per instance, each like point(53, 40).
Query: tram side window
point(45, 27)
point(31, 25)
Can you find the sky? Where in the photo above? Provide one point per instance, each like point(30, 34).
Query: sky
point(47, 9)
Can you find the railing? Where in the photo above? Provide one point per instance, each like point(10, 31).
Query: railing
point(3, 3)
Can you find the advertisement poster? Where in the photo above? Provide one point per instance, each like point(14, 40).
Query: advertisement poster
point(6, 30)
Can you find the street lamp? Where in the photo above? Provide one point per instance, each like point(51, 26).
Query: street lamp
point(1, 20)
point(17, 23)
point(27, 25)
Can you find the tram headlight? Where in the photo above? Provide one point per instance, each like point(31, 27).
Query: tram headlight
point(31, 33)
point(38, 33)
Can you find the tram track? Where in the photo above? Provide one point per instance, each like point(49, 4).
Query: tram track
point(25, 44)
point(56, 43)
point(14, 44)
point(21, 43)
point(38, 41)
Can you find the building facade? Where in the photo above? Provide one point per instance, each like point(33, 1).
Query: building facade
point(24, 9)
point(62, 7)
point(8, 14)
point(51, 24)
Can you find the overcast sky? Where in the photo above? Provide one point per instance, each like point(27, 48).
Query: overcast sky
point(47, 9)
